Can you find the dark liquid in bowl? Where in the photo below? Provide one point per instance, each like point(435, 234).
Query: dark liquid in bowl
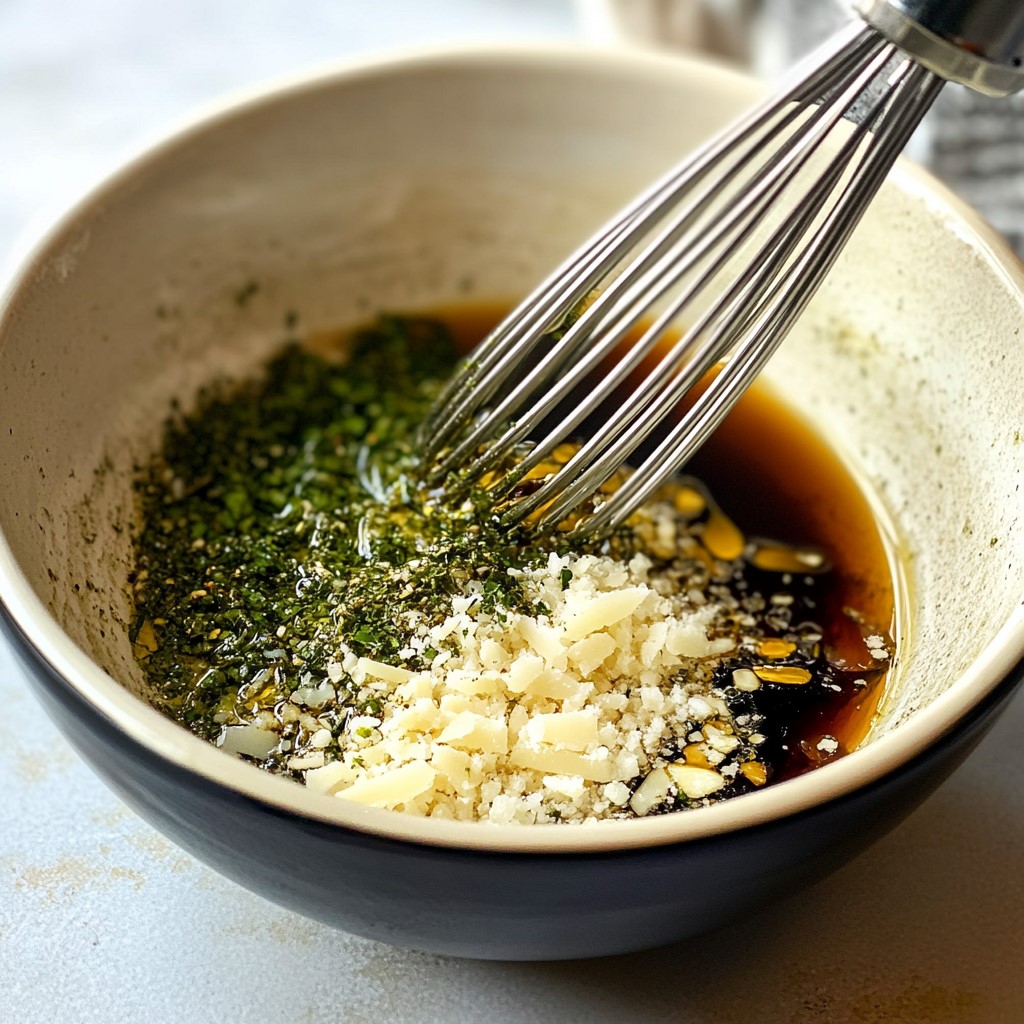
point(776, 478)
point(284, 522)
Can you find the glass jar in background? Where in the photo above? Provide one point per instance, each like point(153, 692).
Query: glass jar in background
point(974, 143)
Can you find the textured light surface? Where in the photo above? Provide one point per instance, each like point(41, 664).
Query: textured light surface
point(102, 921)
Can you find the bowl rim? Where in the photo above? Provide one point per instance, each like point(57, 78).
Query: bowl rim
point(148, 727)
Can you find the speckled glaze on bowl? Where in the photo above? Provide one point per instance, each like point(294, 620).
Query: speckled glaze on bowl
point(419, 181)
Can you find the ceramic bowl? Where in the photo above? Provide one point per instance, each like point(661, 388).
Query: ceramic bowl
point(428, 179)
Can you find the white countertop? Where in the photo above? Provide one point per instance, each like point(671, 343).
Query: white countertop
point(102, 920)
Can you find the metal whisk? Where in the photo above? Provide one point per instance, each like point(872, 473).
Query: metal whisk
point(733, 242)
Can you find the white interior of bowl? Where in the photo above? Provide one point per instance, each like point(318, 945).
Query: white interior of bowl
point(409, 184)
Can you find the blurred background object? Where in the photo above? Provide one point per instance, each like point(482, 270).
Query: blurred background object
point(974, 143)
point(726, 28)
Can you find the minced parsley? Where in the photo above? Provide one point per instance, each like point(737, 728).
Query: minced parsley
point(285, 514)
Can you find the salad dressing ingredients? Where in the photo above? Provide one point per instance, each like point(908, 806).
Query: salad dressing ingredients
point(303, 603)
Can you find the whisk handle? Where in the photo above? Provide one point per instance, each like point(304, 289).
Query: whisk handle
point(979, 43)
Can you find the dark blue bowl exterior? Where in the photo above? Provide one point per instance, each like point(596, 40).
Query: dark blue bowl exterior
point(494, 905)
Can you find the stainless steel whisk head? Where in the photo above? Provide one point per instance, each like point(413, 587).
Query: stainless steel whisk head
point(733, 243)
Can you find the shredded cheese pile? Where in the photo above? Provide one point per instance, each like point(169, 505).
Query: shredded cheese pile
point(524, 718)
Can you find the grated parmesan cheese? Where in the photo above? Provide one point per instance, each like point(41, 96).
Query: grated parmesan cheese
point(554, 716)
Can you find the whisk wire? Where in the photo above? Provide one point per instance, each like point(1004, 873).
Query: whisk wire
point(673, 253)
point(719, 327)
point(688, 232)
point(563, 291)
point(769, 184)
point(777, 312)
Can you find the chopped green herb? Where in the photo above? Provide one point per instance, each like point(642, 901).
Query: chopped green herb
point(284, 516)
